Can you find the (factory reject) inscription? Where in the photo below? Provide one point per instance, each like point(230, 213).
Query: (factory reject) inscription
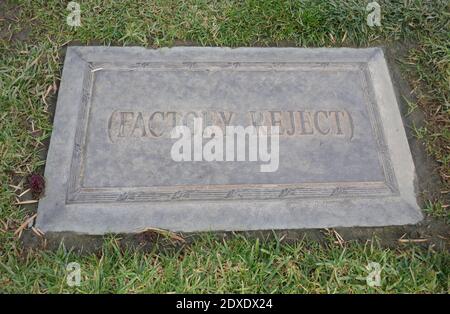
point(156, 124)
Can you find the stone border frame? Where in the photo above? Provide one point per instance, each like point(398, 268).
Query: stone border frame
point(66, 207)
point(77, 193)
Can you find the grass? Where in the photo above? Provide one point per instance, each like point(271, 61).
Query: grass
point(238, 265)
point(438, 209)
point(32, 36)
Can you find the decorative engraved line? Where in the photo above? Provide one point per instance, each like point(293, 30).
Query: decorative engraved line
point(317, 190)
point(221, 187)
point(75, 168)
point(376, 123)
point(234, 66)
point(351, 124)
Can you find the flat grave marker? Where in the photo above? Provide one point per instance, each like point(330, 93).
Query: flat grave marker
point(343, 155)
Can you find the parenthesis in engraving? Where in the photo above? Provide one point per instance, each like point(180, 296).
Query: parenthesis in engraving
point(350, 119)
point(110, 125)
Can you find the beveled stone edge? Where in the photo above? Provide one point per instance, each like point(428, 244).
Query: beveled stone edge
point(394, 130)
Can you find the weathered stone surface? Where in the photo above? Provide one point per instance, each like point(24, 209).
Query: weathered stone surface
point(344, 158)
